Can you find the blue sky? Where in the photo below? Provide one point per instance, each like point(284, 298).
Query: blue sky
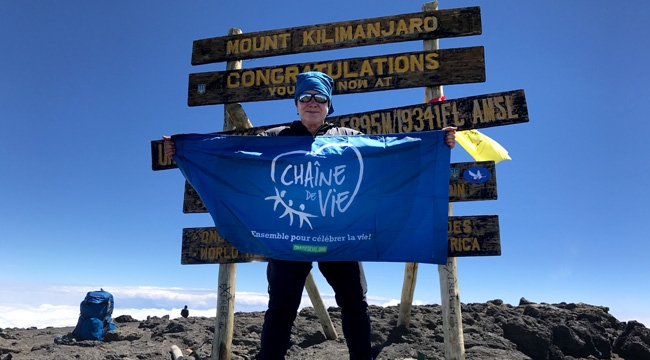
point(85, 86)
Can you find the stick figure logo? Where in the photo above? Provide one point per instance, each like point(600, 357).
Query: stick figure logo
point(311, 184)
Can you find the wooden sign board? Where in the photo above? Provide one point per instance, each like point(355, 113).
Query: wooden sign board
point(205, 246)
point(468, 181)
point(468, 236)
point(474, 112)
point(353, 75)
point(339, 35)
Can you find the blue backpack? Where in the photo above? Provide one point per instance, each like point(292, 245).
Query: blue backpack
point(95, 318)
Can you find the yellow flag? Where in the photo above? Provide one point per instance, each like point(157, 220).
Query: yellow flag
point(481, 147)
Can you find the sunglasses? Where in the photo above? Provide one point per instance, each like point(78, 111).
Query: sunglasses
point(320, 98)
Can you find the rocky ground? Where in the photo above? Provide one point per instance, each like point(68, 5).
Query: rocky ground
point(492, 330)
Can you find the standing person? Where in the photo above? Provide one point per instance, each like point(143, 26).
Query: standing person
point(313, 99)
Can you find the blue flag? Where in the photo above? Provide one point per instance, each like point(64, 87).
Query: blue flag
point(324, 198)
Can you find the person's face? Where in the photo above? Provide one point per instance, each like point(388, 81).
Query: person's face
point(312, 113)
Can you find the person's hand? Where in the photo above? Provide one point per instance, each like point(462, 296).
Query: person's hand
point(168, 146)
point(450, 136)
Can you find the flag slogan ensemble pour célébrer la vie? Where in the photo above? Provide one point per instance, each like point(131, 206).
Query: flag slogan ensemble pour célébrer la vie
point(324, 198)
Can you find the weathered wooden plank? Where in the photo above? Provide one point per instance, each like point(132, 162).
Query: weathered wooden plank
point(474, 112)
point(204, 246)
point(352, 75)
point(468, 236)
point(462, 185)
point(338, 35)
point(471, 181)
point(474, 236)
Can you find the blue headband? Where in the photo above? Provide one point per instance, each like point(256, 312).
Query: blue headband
point(317, 81)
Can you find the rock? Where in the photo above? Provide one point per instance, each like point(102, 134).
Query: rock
point(492, 330)
point(124, 319)
point(523, 301)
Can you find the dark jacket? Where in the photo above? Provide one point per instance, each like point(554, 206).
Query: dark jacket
point(298, 129)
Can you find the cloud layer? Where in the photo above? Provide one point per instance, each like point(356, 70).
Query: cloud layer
point(58, 306)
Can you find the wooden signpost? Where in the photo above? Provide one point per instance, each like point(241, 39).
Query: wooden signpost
point(430, 68)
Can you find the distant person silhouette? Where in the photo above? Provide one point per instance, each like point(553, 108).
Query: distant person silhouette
point(185, 313)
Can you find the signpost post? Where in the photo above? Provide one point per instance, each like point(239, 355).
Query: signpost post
point(225, 320)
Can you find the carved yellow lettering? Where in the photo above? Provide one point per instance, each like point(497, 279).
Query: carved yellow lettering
point(232, 47)
point(467, 226)
point(354, 123)
point(477, 115)
point(429, 116)
point(374, 124)
point(453, 244)
point(391, 29)
point(219, 253)
point(454, 226)
point(324, 38)
point(233, 80)
point(307, 38)
point(245, 45)
point(290, 73)
point(488, 110)
point(387, 123)
point(444, 107)
point(467, 244)
point(510, 106)
point(417, 62)
point(458, 121)
point(457, 190)
point(344, 33)
point(373, 30)
point(401, 27)
point(500, 113)
point(332, 73)
point(359, 33)
point(401, 64)
point(248, 78)
point(431, 61)
point(417, 112)
point(436, 109)
point(262, 77)
point(277, 76)
point(415, 25)
point(406, 123)
point(358, 84)
point(163, 159)
point(284, 40)
point(258, 44)
point(366, 69)
point(364, 124)
point(346, 71)
point(380, 64)
point(430, 23)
